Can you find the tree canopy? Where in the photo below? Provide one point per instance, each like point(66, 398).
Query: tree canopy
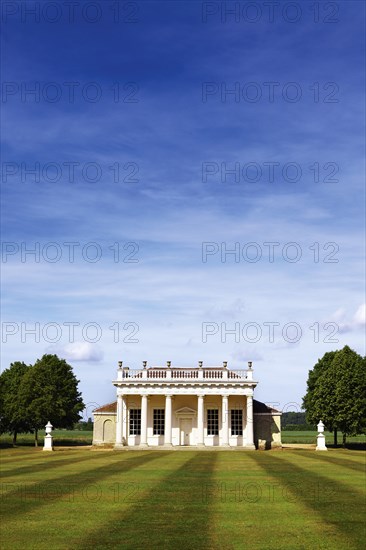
point(13, 417)
point(46, 391)
point(336, 392)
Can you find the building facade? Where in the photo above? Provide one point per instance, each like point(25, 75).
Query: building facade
point(176, 407)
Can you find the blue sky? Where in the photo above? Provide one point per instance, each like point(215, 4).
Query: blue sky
point(150, 94)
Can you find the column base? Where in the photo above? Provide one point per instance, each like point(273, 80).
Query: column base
point(251, 447)
point(143, 445)
point(321, 449)
point(119, 446)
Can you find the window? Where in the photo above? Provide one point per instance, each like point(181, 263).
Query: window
point(135, 421)
point(159, 421)
point(212, 422)
point(236, 422)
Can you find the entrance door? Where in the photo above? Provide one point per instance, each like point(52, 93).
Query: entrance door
point(185, 431)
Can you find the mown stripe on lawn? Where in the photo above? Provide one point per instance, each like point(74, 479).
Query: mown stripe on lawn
point(50, 466)
point(159, 519)
point(342, 462)
point(257, 513)
point(48, 463)
point(32, 496)
point(17, 454)
point(329, 471)
point(336, 503)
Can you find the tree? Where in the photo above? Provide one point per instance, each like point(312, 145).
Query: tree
point(13, 418)
point(49, 392)
point(336, 392)
point(316, 404)
point(349, 370)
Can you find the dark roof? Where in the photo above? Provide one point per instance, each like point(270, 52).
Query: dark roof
point(109, 408)
point(258, 407)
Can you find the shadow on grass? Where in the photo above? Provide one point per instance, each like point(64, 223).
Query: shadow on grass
point(14, 455)
point(49, 462)
point(22, 497)
point(334, 501)
point(357, 446)
point(176, 512)
point(66, 442)
point(328, 458)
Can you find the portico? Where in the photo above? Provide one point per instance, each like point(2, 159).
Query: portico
point(173, 406)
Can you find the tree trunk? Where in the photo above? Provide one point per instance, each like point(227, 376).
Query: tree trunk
point(36, 438)
point(344, 439)
point(335, 437)
point(15, 433)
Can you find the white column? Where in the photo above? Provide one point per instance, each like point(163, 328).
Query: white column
point(143, 438)
point(168, 420)
point(249, 428)
point(124, 420)
point(119, 422)
point(200, 421)
point(225, 420)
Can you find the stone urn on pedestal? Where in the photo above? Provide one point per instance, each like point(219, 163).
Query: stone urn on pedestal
point(48, 439)
point(320, 446)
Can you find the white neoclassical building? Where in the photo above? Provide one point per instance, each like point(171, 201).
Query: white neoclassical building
point(197, 406)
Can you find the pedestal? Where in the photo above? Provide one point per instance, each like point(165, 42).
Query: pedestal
point(321, 443)
point(48, 443)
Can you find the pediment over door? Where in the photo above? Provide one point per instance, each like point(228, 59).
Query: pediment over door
point(185, 412)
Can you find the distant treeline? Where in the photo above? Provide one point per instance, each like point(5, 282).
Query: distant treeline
point(84, 426)
point(295, 421)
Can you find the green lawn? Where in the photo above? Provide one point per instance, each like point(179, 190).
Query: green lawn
point(76, 437)
point(60, 437)
point(310, 437)
point(83, 498)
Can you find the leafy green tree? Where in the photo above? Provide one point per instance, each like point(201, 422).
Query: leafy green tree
point(349, 371)
point(13, 418)
point(316, 403)
point(336, 393)
point(49, 391)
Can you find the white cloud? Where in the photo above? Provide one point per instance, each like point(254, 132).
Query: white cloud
point(78, 351)
point(357, 321)
point(359, 317)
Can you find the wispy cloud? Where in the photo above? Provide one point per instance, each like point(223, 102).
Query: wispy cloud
point(355, 323)
point(78, 351)
point(171, 211)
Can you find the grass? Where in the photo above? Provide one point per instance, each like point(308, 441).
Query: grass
point(77, 437)
point(60, 438)
point(82, 498)
point(310, 437)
